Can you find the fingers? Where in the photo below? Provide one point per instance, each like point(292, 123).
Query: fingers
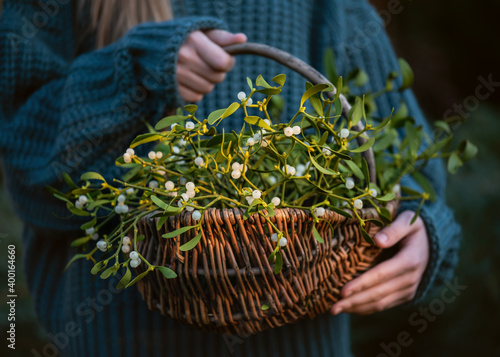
point(224, 38)
point(202, 63)
point(398, 229)
point(387, 302)
point(376, 293)
point(211, 53)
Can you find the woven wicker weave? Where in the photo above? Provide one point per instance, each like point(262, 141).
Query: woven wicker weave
point(225, 280)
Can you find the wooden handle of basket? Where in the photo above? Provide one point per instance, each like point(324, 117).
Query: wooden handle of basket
point(312, 75)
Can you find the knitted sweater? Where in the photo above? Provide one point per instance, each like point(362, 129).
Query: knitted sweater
point(63, 110)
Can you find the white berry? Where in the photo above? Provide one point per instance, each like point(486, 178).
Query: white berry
point(102, 245)
point(349, 183)
point(130, 151)
point(374, 193)
point(152, 155)
point(236, 166)
point(134, 263)
point(288, 131)
point(169, 185)
point(249, 101)
point(126, 240)
point(83, 200)
point(283, 242)
point(274, 237)
point(276, 201)
point(190, 186)
point(95, 236)
point(251, 142)
point(121, 198)
point(326, 152)
point(242, 95)
point(190, 193)
point(319, 211)
point(126, 158)
point(90, 231)
point(130, 191)
point(199, 162)
point(159, 154)
point(196, 215)
point(125, 248)
point(236, 174)
point(153, 184)
point(296, 130)
point(344, 133)
point(256, 194)
point(189, 125)
point(358, 204)
point(189, 208)
point(134, 255)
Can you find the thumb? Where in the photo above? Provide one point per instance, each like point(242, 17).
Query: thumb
point(399, 228)
point(224, 38)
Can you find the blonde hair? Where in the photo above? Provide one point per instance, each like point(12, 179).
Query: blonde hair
point(110, 19)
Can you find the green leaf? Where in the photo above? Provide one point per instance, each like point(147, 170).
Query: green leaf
point(368, 144)
point(454, 162)
point(62, 198)
point(435, 148)
point(161, 222)
point(264, 307)
point(167, 273)
point(467, 150)
point(355, 169)
point(107, 273)
point(366, 236)
point(340, 211)
point(356, 113)
point(384, 123)
point(441, 124)
point(361, 78)
point(218, 139)
point(80, 241)
point(425, 184)
point(145, 138)
point(230, 110)
point(322, 169)
point(407, 73)
point(280, 79)
point(215, 115)
point(137, 278)
point(163, 205)
point(313, 90)
point(92, 176)
point(68, 180)
point(89, 224)
point(261, 82)
point(174, 119)
point(417, 213)
point(178, 232)
point(366, 171)
point(75, 257)
point(339, 90)
point(191, 108)
point(279, 262)
point(387, 197)
point(191, 244)
point(249, 82)
point(323, 139)
point(385, 214)
point(253, 120)
point(124, 280)
point(386, 140)
point(317, 236)
point(98, 266)
point(375, 222)
point(77, 211)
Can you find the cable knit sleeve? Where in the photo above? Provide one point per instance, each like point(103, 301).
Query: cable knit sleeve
point(59, 113)
point(365, 45)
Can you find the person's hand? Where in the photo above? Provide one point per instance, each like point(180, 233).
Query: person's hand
point(202, 63)
point(395, 280)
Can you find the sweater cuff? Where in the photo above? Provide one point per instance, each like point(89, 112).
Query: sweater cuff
point(147, 56)
point(444, 236)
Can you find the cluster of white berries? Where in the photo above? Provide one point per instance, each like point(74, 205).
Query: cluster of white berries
point(282, 241)
point(185, 197)
point(135, 261)
point(102, 245)
point(344, 133)
point(258, 137)
point(127, 157)
point(121, 207)
point(238, 169)
point(199, 161)
point(243, 96)
point(289, 131)
point(81, 202)
point(155, 155)
point(290, 169)
point(126, 244)
point(349, 183)
point(91, 232)
point(255, 195)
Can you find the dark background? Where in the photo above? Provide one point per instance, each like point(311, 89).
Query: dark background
point(449, 44)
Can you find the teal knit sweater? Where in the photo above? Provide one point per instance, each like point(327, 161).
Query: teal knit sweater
point(76, 110)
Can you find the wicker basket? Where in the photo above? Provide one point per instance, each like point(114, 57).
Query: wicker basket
point(226, 283)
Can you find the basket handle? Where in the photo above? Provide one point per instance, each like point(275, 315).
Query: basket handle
point(312, 75)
